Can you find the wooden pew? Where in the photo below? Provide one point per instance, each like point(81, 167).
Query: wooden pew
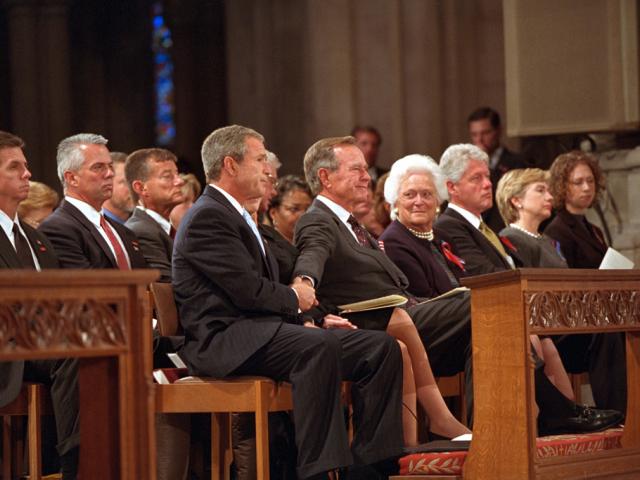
point(100, 317)
point(506, 308)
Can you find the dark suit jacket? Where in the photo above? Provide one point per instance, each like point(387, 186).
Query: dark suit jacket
point(344, 270)
point(285, 253)
point(414, 257)
point(508, 161)
point(155, 244)
point(78, 244)
point(581, 242)
point(228, 295)
point(468, 243)
point(11, 372)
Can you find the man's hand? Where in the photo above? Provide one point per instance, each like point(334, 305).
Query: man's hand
point(306, 294)
point(334, 321)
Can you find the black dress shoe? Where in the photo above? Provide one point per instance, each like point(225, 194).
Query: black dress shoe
point(586, 420)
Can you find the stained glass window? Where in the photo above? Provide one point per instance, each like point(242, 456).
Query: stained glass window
point(163, 68)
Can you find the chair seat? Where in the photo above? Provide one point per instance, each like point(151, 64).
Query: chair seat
point(452, 463)
point(236, 394)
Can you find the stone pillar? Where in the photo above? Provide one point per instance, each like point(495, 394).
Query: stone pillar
point(622, 214)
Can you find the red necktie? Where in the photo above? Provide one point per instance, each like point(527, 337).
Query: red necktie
point(172, 232)
point(361, 233)
point(121, 258)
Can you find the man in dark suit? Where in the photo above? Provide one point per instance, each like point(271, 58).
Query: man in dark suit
point(485, 130)
point(156, 187)
point(239, 320)
point(468, 182)
point(345, 270)
point(80, 234)
point(23, 247)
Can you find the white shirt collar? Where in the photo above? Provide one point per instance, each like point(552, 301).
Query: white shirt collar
point(163, 222)
point(87, 210)
point(339, 211)
point(7, 224)
point(236, 204)
point(469, 217)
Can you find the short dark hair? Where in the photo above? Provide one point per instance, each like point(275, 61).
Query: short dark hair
point(118, 157)
point(9, 140)
point(485, 112)
point(287, 184)
point(137, 165)
point(368, 129)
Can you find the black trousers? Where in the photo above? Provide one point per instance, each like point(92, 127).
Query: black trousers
point(603, 356)
point(315, 361)
point(62, 378)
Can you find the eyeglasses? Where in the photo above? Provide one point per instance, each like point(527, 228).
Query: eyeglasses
point(273, 180)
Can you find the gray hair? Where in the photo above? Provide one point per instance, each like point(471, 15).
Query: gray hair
point(70, 155)
point(224, 142)
point(409, 165)
point(455, 160)
point(322, 155)
point(273, 160)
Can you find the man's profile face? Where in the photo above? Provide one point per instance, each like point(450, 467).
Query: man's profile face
point(121, 197)
point(349, 184)
point(93, 182)
point(484, 135)
point(270, 191)
point(252, 171)
point(473, 191)
point(14, 175)
point(369, 143)
point(163, 187)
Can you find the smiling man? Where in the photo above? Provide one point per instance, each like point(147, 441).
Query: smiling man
point(241, 321)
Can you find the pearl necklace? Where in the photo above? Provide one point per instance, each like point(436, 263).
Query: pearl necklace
point(423, 235)
point(518, 227)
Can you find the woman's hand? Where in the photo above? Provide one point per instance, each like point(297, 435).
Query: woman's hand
point(334, 321)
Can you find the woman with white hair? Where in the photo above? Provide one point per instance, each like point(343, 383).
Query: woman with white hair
point(415, 189)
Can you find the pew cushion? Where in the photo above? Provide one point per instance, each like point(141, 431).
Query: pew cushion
point(451, 463)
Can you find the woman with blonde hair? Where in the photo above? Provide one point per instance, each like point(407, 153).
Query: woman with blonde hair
point(40, 203)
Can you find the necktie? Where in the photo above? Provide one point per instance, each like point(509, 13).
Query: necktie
point(121, 258)
point(254, 229)
point(443, 263)
point(22, 248)
point(172, 232)
point(493, 238)
point(361, 233)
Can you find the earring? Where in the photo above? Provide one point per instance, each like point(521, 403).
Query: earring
point(394, 210)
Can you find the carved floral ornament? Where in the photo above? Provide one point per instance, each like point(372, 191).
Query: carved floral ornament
point(582, 308)
point(37, 324)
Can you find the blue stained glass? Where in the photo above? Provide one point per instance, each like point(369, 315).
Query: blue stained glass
point(163, 70)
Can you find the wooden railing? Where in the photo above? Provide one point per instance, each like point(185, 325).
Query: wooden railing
point(506, 308)
point(102, 317)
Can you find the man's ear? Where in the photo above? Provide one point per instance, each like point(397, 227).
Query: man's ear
point(137, 186)
point(230, 165)
point(70, 178)
point(323, 176)
point(452, 188)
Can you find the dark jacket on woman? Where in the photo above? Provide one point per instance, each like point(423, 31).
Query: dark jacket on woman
point(582, 243)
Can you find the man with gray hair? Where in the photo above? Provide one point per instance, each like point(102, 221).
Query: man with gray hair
point(79, 232)
point(466, 168)
point(241, 321)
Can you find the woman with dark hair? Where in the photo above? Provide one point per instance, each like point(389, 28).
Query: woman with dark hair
point(576, 183)
point(292, 199)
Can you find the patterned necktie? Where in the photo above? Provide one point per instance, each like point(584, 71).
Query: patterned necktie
point(22, 249)
point(361, 233)
point(121, 258)
point(443, 263)
point(254, 229)
point(493, 238)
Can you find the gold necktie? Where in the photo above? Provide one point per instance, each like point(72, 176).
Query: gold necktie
point(493, 238)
